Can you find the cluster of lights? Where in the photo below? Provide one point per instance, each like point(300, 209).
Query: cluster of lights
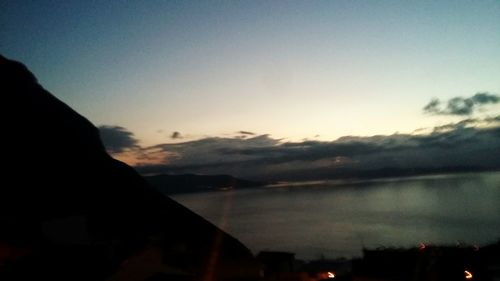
point(468, 274)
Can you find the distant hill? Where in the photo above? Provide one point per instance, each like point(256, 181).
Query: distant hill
point(191, 183)
point(405, 172)
point(385, 172)
point(187, 183)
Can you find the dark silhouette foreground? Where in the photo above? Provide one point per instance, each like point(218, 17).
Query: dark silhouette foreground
point(68, 211)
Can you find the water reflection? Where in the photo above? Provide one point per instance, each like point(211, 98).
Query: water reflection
point(338, 219)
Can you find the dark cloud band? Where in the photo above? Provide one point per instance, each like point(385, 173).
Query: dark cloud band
point(263, 157)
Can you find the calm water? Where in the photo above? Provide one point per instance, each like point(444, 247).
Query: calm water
point(337, 219)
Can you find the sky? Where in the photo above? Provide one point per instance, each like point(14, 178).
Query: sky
point(179, 84)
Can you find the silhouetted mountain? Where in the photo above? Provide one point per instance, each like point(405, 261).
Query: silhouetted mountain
point(68, 211)
point(350, 173)
point(408, 172)
point(170, 184)
point(402, 172)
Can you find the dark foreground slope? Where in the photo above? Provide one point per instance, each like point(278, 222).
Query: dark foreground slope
point(81, 215)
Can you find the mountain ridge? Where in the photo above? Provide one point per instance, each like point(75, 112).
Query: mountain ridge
point(82, 215)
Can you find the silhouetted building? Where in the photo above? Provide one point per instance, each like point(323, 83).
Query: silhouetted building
point(429, 263)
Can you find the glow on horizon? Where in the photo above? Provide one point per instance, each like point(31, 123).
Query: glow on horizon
point(299, 70)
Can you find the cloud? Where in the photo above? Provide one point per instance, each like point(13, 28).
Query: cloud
point(266, 158)
point(176, 135)
point(433, 106)
point(246, 133)
point(117, 139)
point(461, 106)
point(492, 119)
point(485, 98)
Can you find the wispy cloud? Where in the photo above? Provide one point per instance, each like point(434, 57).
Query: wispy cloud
point(246, 133)
point(469, 122)
point(460, 105)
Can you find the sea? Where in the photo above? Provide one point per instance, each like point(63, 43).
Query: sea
point(334, 219)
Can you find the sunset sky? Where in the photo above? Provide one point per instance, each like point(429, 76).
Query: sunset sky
point(184, 72)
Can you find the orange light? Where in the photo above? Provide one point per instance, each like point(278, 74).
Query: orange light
point(468, 275)
point(331, 275)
